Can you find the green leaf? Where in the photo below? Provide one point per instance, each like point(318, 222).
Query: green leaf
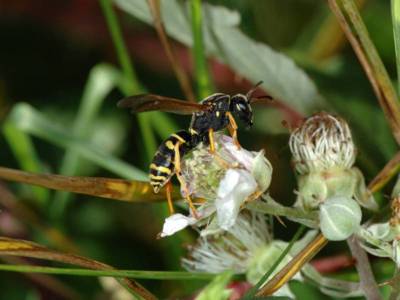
point(224, 40)
point(27, 119)
point(24, 151)
point(216, 290)
point(102, 79)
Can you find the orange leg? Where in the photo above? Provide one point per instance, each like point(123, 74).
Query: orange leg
point(182, 181)
point(233, 129)
point(211, 139)
point(169, 197)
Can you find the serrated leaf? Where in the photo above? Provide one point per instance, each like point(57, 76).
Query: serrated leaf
point(224, 40)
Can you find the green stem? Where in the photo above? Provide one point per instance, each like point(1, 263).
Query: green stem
point(154, 275)
point(201, 70)
point(122, 52)
point(270, 207)
point(132, 84)
point(396, 33)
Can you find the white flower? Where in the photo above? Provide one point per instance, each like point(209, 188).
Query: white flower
point(232, 249)
point(226, 180)
point(247, 247)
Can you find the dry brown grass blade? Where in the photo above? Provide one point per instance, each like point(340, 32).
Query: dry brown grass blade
point(181, 75)
point(288, 271)
point(24, 248)
point(48, 282)
point(117, 189)
point(25, 214)
point(358, 37)
point(391, 169)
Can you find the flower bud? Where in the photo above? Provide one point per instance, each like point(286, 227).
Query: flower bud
point(340, 217)
point(323, 156)
point(320, 143)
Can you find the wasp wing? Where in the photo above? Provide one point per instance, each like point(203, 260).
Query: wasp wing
point(150, 102)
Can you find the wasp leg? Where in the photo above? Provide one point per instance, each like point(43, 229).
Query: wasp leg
point(233, 129)
point(182, 181)
point(211, 140)
point(169, 197)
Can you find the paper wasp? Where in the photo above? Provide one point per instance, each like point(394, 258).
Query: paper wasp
point(214, 113)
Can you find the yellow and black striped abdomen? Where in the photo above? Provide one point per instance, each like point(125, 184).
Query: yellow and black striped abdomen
point(162, 168)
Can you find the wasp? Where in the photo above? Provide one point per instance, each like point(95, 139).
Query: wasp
point(214, 113)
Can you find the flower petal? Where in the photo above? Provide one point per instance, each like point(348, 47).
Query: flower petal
point(233, 190)
point(176, 223)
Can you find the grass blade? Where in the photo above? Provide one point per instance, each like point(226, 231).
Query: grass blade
point(154, 275)
point(15, 247)
point(102, 79)
point(122, 53)
point(396, 34)
point(117, 189)
point(24, 150)
point(48, 282)
point(198, 52)
point(287, 272)
point(27, 119)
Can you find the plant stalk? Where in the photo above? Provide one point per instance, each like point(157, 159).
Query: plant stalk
point(367, 280)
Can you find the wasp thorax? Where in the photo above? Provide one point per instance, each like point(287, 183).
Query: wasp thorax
point(322, 142)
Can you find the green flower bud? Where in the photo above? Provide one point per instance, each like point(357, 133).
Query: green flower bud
point(322, 142)
point(340, 217)
point(312, 191)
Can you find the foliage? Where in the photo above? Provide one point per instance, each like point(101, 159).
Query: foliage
point(75, 130)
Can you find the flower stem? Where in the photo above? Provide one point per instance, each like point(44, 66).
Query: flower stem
point(273, 208)
point(367, 280)
point(395, 283)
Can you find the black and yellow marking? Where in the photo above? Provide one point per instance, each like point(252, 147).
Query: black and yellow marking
point(162, 167)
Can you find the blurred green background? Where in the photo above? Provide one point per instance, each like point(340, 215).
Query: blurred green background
point(58, 57)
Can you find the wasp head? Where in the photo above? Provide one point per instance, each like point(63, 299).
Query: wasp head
point(240, 107)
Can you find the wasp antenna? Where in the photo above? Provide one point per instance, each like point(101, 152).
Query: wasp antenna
point(253, 89)
point(264, 97)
